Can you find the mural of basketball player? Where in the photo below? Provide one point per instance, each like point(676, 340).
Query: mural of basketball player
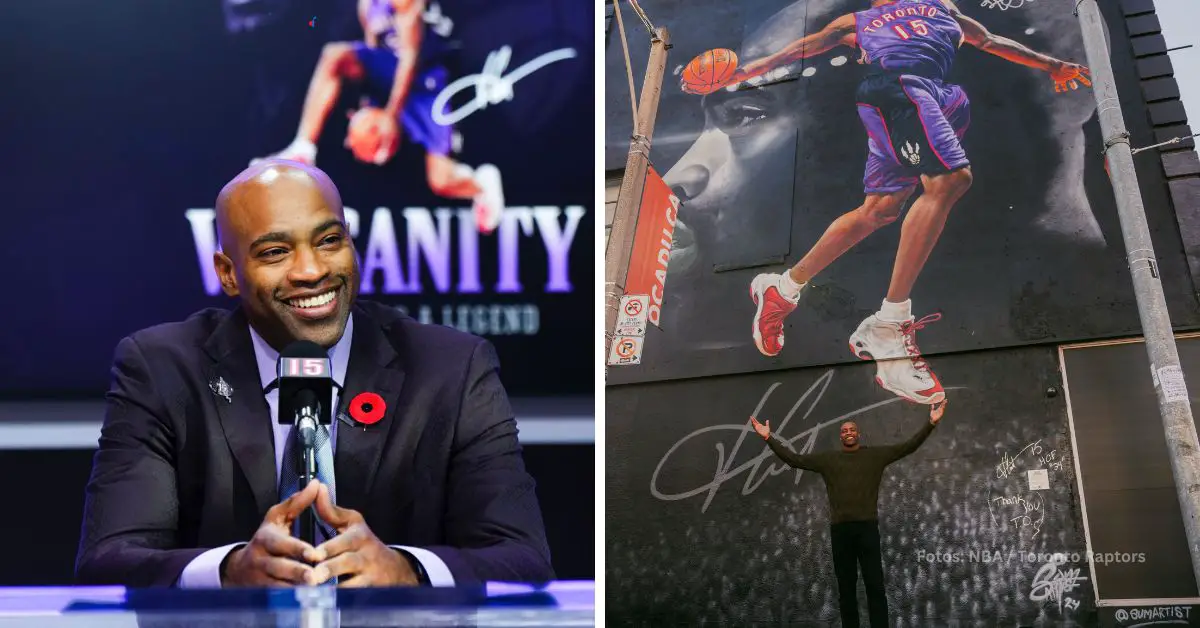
point(915, 123)
point(400, 67)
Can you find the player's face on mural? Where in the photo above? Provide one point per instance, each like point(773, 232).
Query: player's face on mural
point(744, 130)
point(849, 434)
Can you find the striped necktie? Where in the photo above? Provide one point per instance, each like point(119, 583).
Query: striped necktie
point(293, 464)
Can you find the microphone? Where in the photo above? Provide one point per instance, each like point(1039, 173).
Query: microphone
point(307, 410)
point(305, 380)
point(305, 400)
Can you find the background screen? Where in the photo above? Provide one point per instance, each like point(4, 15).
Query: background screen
point(121, 125)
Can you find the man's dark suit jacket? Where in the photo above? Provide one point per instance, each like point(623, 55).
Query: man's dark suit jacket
point(180, 470)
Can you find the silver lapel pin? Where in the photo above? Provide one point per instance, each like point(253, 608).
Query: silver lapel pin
point(220, 387)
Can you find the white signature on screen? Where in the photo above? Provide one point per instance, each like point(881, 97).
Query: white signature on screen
point(492, 86)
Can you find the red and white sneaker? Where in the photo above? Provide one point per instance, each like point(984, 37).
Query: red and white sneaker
point(772, 308)
point(900, 369)
point(489, 203)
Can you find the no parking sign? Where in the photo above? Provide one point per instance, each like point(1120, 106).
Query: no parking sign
point(625, 350)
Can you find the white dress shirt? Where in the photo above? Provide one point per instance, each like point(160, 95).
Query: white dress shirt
point(205, 570)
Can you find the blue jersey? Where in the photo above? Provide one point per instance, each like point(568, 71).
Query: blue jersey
point(909, 36)
point(434, 40)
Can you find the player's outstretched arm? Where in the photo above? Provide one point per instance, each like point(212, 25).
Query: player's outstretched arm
point(409, 29)
point(1066, 75)
point(892, 453)
point(364, 6)
point(837, 32)
point(898, 451)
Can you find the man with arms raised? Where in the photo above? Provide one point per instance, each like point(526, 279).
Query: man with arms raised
point(852, 477)
point(189, 486)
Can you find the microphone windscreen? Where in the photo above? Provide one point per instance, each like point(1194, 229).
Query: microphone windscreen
point(306, 398)
point(304, 349)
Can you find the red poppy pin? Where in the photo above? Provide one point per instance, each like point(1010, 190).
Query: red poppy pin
point(367, 408)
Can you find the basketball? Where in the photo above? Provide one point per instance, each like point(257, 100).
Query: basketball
point(363, 134)
point(710, 71)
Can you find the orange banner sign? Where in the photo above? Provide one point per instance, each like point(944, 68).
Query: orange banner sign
point(652, 244)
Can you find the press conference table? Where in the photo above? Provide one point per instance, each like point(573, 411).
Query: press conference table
point(565, 603)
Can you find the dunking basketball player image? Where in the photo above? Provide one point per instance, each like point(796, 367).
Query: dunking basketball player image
point(915, 122)
point(400, 66)
point(852, 476)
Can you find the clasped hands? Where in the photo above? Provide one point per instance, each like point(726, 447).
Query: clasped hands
point(275, 558)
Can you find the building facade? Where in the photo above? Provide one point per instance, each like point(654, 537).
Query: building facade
point(1050, 446)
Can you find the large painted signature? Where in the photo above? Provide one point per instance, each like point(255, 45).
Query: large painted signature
point(492, 86)
point(753, 468)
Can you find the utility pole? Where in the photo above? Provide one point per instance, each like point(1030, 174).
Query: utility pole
point(1173, 402)
point(629, 200)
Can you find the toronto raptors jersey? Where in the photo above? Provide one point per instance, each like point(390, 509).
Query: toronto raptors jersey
point(381, 23)
point(909, 36)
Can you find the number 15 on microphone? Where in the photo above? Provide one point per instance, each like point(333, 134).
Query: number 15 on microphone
point(304, 367)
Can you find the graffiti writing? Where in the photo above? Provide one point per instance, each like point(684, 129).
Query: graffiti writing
point(1029, 512)
point(1153, 616)
point(1006, 466)
point(1009, 463)
point(1019, 501)
point(1051, 583)
point(1051, 460)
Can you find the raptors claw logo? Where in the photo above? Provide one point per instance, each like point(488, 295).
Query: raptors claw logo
point(911, 152)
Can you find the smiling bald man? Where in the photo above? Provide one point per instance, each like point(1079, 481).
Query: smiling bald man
point(289, 292)
point(189, 486)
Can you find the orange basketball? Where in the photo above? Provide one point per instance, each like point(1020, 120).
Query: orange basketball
point(363, 137)
point(710, 71)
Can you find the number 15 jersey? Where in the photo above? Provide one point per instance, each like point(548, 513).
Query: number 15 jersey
point(909, 37)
